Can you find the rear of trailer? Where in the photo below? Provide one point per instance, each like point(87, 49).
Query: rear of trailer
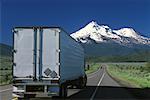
point(46, 60)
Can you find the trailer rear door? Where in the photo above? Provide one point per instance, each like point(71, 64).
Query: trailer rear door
point(23, 52)
point(50, 53)
point(36, 53)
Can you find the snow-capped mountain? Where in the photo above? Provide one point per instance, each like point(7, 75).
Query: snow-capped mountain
point(103, 34)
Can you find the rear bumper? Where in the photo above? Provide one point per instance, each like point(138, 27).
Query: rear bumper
point(34, 94)
point(36, 89)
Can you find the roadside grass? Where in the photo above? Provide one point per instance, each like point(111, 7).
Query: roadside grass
point(92, 68)
point(5, 70)
point(134, 74)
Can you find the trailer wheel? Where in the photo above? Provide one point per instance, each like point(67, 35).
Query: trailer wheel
point(63, 91)
point(82, 82)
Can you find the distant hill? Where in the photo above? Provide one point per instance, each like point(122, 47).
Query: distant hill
point(5, 50)
point(104, 52)
point(108, 52)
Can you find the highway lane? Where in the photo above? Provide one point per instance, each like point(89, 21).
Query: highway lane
point(6, 92)
point(100, 86)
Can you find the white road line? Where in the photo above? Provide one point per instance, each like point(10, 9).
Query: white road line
point(6, 90)
point(93, 74)
point(93, 95)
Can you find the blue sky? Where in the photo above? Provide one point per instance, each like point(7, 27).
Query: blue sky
point(73, 14)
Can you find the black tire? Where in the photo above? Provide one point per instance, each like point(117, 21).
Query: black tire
point(85, 79)
point(63, 91)
point(82, 82)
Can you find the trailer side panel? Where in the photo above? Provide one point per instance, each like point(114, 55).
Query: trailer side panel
point(71, 58)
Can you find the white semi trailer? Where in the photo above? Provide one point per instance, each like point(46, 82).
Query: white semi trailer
point(46, 60)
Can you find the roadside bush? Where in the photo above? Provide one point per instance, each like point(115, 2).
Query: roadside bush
point(147, 67)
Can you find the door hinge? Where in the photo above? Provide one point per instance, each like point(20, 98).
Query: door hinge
point(14, 31)
point(58, 64)
point(14, 64)
point(14, 51)
point(58, 50)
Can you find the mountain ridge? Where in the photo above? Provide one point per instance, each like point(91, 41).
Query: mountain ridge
point(103, 33)
point(101, 43)
point(5, 50)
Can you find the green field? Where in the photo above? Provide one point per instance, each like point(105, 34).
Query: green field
point(135, 74)
point(92, 68)
point(5, 70)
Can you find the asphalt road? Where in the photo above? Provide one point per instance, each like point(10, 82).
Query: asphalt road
point(6, 92)
point(99, 86)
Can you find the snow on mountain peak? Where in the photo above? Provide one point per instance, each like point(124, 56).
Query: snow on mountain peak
point(126, 32)
point(95, 32)
point(103, 33)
